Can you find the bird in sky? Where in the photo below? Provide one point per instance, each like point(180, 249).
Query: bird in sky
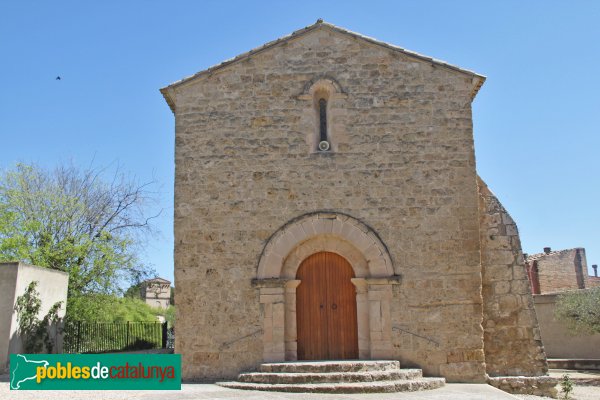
point(58, 78)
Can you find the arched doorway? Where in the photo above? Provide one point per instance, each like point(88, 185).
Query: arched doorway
point(326, 309)
point(277, 282)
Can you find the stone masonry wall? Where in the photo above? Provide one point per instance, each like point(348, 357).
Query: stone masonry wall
point(402, 163)
point(513, 345)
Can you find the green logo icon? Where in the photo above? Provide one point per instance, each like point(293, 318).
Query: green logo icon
point(23, 369)
point(95, 372)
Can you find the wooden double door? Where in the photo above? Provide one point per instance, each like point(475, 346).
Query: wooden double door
point(326, 309)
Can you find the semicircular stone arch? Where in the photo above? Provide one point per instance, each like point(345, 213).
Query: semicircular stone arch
point(324, 243)
point(344, 227)
point(322, 82)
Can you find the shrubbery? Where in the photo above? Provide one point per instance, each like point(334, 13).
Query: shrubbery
point(109, 308)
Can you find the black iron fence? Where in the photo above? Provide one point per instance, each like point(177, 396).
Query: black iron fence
point(102, 337)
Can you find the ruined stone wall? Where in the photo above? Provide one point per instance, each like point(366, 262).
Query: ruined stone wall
point(402, 163)
point(513, 344)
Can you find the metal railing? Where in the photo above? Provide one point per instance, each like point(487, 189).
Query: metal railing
point(102, 337)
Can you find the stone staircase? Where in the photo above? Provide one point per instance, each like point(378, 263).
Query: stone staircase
point(335, 377)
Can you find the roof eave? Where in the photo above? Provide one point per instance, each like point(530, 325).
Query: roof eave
point(166, 92)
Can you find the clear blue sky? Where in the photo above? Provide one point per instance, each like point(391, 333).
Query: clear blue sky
point(536, 119)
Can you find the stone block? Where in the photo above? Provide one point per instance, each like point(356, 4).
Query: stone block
point(377, 293)
point(271, 298)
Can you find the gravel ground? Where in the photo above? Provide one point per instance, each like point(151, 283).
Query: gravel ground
point(579, 393)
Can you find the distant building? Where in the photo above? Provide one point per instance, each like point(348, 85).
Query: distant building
point(558, 271)
point(156, 292)
point(550, 274)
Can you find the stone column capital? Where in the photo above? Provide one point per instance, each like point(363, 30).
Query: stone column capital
point(360, 284)
point(292, 284)
point(388, 280)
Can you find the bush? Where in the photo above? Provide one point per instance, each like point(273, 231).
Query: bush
point(169, 314)
point(109, 308)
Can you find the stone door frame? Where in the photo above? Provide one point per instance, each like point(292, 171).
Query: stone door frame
point(276, 281)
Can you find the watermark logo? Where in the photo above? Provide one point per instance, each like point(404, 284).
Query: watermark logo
point(95, 372)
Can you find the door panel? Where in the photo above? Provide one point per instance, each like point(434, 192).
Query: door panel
point(326, 309)
point(342, 326)
point(311, 313)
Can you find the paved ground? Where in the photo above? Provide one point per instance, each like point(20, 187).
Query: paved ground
point(580, 393)
point(207, 391)
point(576, 375)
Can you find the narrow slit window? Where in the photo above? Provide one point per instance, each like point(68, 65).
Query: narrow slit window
point(323, 120)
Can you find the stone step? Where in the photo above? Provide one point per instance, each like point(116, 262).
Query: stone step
point(331, 366)
point(345, 387)
point(330, 377)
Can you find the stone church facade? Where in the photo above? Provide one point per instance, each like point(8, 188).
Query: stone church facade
point(327, 206)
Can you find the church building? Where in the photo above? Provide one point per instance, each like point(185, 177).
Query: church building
point(327, 207)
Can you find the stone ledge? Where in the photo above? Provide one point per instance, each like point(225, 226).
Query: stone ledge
point(353, 387)
point(335, 376)
point(330, 377)
point(574, 363)
point(534, 385)
point(390, 280)
point(269, 283)
point(331, 366)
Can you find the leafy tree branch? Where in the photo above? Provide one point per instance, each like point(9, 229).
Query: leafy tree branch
point(580, 310)
point(72, 220)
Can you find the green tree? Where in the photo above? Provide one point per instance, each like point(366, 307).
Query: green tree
point(72, 220)
point(580, 310)
point(134, 291)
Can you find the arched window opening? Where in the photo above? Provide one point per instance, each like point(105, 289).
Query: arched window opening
point(323, 139)
point(323, 119)
point(325, 95)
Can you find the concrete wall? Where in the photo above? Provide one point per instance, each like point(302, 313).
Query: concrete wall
point(52, 287)
point(8, 279)
point(558, 341)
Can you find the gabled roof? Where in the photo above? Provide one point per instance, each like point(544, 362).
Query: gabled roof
point(477, 78)
point(539, 256)
point(157, 279)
